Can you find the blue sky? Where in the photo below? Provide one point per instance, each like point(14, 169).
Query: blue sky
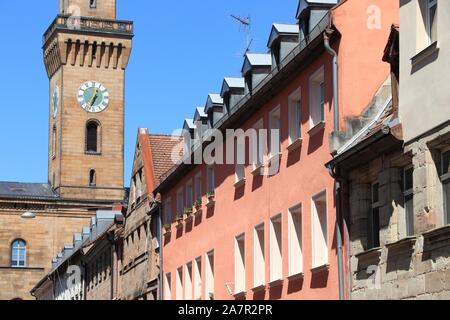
point(181, 52)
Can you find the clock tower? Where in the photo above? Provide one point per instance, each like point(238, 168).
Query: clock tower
point(86, 52)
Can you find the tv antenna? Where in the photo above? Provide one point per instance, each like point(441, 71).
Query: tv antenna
point(245, 24)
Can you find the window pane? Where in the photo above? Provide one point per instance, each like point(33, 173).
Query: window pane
point(409, 211)
point(375, 193)
point(409, 185)
point(446, 162)
point(433, 22)
point(447, 201)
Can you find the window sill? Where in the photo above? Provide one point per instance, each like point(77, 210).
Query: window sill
point(295, 145)
point(259, 288)
point(317, 128)
point(297, 276)
point(408, 242)
point(320, 269)
point(179, 225)
point(257, 170)
point(198, 212)
point(425, 53)
point(93, 153)
point(240, 183)
point(239, 295)
point(437, 238)
point(275, 283)
point(211, 204)
point(374, 253)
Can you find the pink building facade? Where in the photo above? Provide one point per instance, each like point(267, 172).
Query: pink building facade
point(234, 232)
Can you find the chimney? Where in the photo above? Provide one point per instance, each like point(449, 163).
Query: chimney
point(256, 67)
point(283, 39)
point(233, 90)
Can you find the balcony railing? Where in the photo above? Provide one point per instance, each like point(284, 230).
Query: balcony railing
point(89, 24)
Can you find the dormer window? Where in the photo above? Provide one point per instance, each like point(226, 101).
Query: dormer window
point(249, 83)
point(93, 4)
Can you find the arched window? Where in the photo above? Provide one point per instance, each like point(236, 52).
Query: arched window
point(18, 254)
point(92, 178)
point(92, 137)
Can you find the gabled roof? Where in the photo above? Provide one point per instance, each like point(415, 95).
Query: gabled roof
point(256, 60)
point(282, 29)
point(200, 114)
point(163, 149)
point(305, 4)
point(189, 124)
point(232, 83)
point(27, 190)
point(213, 100)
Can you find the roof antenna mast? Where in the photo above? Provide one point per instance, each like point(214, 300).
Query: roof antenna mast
point(245, 25)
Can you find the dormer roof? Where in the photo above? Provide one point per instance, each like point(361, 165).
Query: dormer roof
point(282, 29)
point(200, 114)
point(304, 5)
point(232, 83)
point(213, 100)
point(189, 124)
point(256, 60)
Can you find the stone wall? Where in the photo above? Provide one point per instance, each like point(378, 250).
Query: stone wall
point(403, 267)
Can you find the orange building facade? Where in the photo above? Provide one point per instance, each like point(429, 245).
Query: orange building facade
point(255, 236)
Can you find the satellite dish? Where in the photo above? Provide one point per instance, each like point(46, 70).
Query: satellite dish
point(28, 215)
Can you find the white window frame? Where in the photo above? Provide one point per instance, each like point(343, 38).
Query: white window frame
point(168, 216)
point(276, 248)
point(239, 264)
point(317, 98)
point(373, 205)
point(18, 250)
point(429, 5)
point(198, 187)
point(198, 268)
point(180, 201)
point(188, 275)
point(408, 193)
point(445, 181)
point(275, 113)
point(258, 146)
point(295, 239)
point(295, 116)
point(209, 274)
point(317, 228)
point(259, 256)
point(189, 194)
point(211, 173)
point(179, 284)
point(168, 287)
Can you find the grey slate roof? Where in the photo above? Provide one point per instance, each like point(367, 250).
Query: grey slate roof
point(26, 190)
point(304, 4)
point(200, 114)
point(213, 100)
point(189, 124)
point(232, 83)
point(256, 60)
point(279, 29)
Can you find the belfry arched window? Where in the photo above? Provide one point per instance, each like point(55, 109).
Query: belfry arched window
point(18, 254)
point(93, 137)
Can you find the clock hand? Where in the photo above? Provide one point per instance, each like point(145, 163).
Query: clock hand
point(94, 97)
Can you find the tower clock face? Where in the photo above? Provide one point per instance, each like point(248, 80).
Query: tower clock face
point(55, 101)
point(93, 97)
